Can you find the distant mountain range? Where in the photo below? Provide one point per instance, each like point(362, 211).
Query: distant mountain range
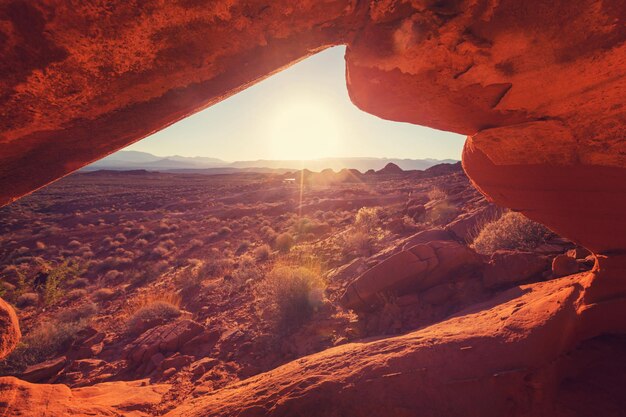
point(131, 160)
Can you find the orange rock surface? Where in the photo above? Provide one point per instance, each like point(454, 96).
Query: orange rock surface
point(9, 329)
point(537, 85)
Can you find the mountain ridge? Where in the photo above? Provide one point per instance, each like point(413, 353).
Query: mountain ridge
point(132, 160)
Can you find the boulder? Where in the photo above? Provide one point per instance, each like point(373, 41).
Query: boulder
point(120, 398)
point(176, 362)
point(9, 329)
point(202, 343)
point(579, 253)
point(347, 271)
point(44, 371)
point(508, 268)
point(416, 269)
point(164, 339)
point(563, 265)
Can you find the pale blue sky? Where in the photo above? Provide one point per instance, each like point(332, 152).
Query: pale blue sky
point(303, 112)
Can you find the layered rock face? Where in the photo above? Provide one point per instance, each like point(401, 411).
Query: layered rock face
point(538, 86)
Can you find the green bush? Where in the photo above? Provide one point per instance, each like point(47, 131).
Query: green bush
point(512, 231)
point(57, 278)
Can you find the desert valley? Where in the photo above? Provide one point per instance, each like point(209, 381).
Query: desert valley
point(194, 282)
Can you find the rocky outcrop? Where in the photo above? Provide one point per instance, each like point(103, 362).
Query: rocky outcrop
point(507, 268)
point(415, 269)
point(490, 360)
point(44, 371)
point(130, 399)
point(147, 352)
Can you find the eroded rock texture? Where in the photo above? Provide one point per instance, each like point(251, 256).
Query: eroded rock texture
point(537, 85)
point(9, 329)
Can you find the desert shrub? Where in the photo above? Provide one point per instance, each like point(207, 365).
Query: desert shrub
point(112, 276)
point(27, 300)
point(159, 252)
point(103, 294)
point(167, 243)
point(367, 218)
point(78, 283)
point(147, 235)
point(82, 312)
point(140, 243)
point(224, 230)
point(293, 294)
point(247, 269)
point(6, 287)
point(76, 294)
point(268, 234)
point(284, 242)
point(359, 243)
point(42, 343)
point(511, 231)
point(243, 247)
point(303, 225)
point(442, 212)
point(437, 193)
point(152, 314)
point(262, 253)
point(57, 278)
point(148, 273)
point(195, 243)
point(74, 244)
point(189, 278)
point(216, 267)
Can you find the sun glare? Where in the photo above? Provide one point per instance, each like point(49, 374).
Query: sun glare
point(304, 128)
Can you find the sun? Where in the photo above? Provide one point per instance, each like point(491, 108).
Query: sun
point(304, 128)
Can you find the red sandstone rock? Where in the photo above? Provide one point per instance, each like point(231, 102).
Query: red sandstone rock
point(506, 268)
point(44, 371)
point(164, 339)
point(427, 236)
point(9, 329)
point(479, 360)
point(563, 265)
point(416, 269)
point(129, 399)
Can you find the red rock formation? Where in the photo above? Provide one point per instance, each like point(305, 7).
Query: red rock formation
point(9, 329)
point(132, 399)
point(538, 85)
point(417, 268)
